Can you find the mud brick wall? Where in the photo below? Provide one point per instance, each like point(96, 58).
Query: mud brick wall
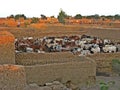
point(78, 72)
point(104, 62)
point(12, 77)
point(45, 58)
point(7, 52)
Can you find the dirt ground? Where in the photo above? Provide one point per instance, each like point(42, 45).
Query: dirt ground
point(115, 86)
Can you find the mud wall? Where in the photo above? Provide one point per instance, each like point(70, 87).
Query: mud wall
point(76, 71)
point(12, 77)
point(45, 58)
point(104, 62)
point(7, 52)
point(64, 66)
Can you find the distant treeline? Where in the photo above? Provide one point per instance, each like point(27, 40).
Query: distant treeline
point(62, 16)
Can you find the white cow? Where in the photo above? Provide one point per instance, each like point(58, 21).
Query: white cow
point(76, 50)
point(88, 39)
point(95, 49)
point(84, 53)
point(118, 47)
point(109, 48)
point(106, 41)
point(28, 49)
point(79, 42)
point(87, 46)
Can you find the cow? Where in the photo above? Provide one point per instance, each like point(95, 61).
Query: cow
point(109, 48)
point(95, 49)
point(118, 47)
point(84, 53)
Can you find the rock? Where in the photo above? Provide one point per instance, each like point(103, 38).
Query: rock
point(67, 89)
point(33, 86)
point(48, 84)
point(71, 86)
point(58, 87)
point(56, 83)
point(45, 88)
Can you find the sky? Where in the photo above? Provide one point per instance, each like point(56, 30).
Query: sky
point(34, 8)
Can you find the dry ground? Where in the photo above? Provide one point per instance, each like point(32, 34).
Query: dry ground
point(115, 86)
point(62, 30)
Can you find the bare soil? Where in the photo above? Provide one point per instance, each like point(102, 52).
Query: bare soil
point(115, 86)
point(66, 30)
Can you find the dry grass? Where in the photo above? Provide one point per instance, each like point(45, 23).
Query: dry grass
point(63, 30)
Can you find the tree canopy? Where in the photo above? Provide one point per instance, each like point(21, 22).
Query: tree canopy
point(11, 16)
point(35, 20)
point(17, 16)
point(78, 16)
point(43, 16)
point(20, 16)
point(61, 17)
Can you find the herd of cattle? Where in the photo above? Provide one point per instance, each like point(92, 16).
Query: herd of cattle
point(78, 45)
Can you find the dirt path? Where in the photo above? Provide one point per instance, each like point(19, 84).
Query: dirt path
point(116, 86)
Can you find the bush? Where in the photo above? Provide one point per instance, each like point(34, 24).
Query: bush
point(61, 17)
point(35, 20)
point(116, 65)
point(114, 61)
point(105, 86)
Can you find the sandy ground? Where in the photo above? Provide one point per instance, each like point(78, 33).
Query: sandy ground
point(115, 86)
point(67, 30)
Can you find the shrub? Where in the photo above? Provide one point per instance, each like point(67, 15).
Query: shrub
point(116, 65)
point(105, 86)
point(35, 20)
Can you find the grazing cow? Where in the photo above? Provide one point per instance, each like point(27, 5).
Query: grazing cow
point(88, 40)
point(118, 47)
point(84, 53)
point(79, 42)
point(85, 36)
point(58, 38)
point(28, 49)
point(86, 46)
point(109, 48)
point(95, 49)
point(106, 41)
point(58, 48)
point(40, 51)
point(76, 50)
point(55, 48)
point(30, 38)
point(74, 38)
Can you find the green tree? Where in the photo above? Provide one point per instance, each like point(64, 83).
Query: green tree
point(43, 16)
point(20, 16)
point(35, 20)
point(78, 16)
point(117, 17)
point(110, 17)
point(11, 16)
point(61, 17)
point(52, 16)
point(96, 16)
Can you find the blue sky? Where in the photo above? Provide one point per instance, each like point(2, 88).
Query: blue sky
point(52, 7)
